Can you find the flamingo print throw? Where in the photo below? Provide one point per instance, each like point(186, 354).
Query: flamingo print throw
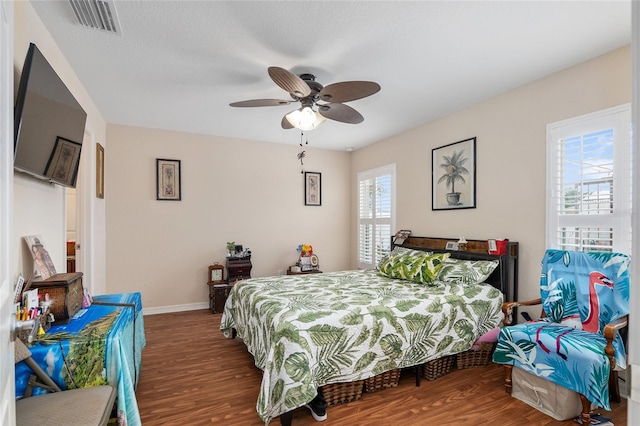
point(581, 293)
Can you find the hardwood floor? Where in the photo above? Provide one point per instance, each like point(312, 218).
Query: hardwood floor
point(192, 375)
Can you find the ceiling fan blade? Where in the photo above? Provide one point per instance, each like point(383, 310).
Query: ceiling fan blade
point(285, 123)
point(348, 91)
point(260, 103)
point(289, 82)
point(340, 112)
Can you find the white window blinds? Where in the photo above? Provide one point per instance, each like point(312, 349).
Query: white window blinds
point(589, 182)
point(376, 214)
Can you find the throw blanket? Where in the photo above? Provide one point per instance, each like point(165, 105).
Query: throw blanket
point(581, 293)
point(306, 331)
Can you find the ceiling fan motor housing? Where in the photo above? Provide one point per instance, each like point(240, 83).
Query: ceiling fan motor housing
point(315, 87)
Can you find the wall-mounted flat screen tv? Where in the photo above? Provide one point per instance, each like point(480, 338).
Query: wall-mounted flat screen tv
point(48, 123)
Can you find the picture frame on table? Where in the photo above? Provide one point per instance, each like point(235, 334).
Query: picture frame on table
point(451, 245)
point(401, 236)
point(312, 189)
point(43, 267)
point(453, 176)
point(99, 171)
point(168, 180)
point(62, 165)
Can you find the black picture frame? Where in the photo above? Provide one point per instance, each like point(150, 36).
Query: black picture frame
point(453, 176)
point(64, 161)
point(312, 189)
point(168, 180)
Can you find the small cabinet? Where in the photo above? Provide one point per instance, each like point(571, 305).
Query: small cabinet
point(238, 268)
point(218, 294)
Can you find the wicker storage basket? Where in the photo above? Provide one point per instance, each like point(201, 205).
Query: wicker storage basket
point(479, 358)
point(438, 367)
point(388, 379)
point(340, 393)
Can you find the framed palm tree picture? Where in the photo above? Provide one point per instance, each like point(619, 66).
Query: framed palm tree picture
point(453, 176)
point(312, 189)
point(168, 180)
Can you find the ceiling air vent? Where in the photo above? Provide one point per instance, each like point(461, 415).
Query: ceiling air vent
point(98, 14)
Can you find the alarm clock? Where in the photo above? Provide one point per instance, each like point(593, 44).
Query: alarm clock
point(216, 274)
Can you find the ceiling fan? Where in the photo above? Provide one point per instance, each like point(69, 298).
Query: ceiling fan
point(329, 100)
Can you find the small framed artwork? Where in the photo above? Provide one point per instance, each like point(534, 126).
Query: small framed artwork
point(63, 162)
point(453, 176)
point(451, 245)
point(312, 189)
point(168, 180)
point(401, 236)
point(99, 171)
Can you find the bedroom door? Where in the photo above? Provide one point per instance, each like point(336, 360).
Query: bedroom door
point(7, 382)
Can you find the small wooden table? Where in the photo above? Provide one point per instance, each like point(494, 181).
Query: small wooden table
point(218, 294)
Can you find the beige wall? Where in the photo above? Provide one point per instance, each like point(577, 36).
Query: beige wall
point(511, 150)
point(39, 207)
point(232, 190)
point(252, 192)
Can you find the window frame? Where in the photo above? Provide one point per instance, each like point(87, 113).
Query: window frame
point(372, 174)
point(619, 221)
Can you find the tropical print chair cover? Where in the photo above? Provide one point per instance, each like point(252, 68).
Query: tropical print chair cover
point(581, 293)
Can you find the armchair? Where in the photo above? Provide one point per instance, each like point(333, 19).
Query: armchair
point(575, 343)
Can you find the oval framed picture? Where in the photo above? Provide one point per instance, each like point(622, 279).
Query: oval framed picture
point(314, 260)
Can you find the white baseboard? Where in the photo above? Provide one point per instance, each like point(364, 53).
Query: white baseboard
point(175, 308)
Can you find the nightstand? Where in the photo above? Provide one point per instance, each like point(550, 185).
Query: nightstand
point(218, 288)
point(218, 294)
point(238, 268)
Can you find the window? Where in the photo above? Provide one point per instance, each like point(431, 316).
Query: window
point(589, 182)
point(376, 214)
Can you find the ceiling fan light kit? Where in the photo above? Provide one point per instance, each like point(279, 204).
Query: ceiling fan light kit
point(305, 118)
point(310, 93)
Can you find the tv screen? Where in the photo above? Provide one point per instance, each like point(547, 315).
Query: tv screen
point(49, 124)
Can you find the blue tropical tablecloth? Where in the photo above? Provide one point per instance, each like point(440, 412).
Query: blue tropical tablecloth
point(101, 346)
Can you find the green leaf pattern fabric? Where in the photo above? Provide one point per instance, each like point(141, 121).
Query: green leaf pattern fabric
point(413, 265)
point(466, 271)
point(306, 331)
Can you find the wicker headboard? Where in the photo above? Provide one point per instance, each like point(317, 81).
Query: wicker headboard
point(505, 276)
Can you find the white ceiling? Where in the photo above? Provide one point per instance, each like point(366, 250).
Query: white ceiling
point(178, 64)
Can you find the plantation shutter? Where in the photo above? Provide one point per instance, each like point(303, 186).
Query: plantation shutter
point(589, 182)
point(376, 205)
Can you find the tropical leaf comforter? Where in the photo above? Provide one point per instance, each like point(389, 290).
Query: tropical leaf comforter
point(306, 331)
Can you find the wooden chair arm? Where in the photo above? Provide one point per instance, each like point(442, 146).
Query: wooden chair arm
point(610, 331)
point(507, 308)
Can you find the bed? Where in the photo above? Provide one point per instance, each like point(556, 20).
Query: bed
point(307, 331)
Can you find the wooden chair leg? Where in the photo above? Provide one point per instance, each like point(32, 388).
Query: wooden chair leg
point(508, 385)
point(585, 416)
point(614, 387)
